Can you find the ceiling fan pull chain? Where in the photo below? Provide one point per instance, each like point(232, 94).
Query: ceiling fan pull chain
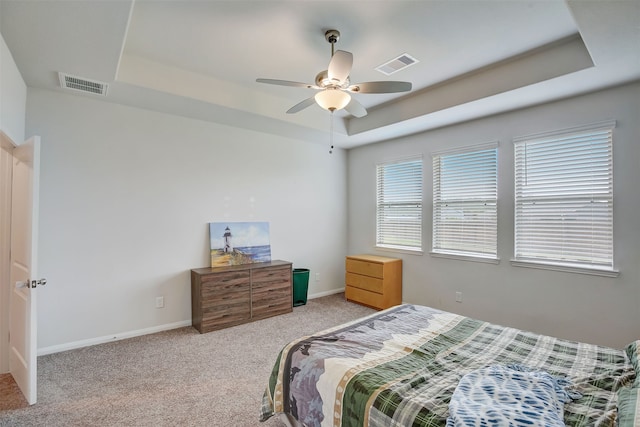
point(331, 132)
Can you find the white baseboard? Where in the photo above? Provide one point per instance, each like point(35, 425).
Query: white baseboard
point(109, 338)
point(124, 335)
point(325, 293)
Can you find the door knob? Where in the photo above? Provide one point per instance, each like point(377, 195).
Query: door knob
point(41, 282)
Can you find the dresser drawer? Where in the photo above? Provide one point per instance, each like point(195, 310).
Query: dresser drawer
point(368, 283)
point(277, 293)
point(227, 314)
point(224, 282)
point(264, 308)
point(238, 296)
point(372, 269)
point(262, 278)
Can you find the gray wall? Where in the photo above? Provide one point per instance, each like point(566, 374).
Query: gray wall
point(569, 305)
point(13, 96)
point(126, 197)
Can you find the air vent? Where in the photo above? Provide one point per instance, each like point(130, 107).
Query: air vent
point(67, 81)
point(400, 63)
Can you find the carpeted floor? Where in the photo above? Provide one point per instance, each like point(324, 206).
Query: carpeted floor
point(10, 395)
point(173, 378)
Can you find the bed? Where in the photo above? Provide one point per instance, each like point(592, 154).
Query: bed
point(401, 367)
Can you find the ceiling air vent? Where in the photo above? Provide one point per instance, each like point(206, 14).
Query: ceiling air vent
point(400, 63)
point(67, 81)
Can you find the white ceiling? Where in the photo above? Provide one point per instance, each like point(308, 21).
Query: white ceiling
point(200, 58)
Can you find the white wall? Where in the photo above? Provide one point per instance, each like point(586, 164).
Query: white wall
point(13, 96)
point(126, 198)
point(575, 306)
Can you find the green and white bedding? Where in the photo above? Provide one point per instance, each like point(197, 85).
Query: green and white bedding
point(399, 368)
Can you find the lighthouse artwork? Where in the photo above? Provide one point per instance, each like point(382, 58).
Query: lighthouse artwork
point(235, 243)
point(227, 241)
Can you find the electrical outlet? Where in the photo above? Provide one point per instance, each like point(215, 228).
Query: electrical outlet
point(458, 296)
point(159, 302)
point(317, 277)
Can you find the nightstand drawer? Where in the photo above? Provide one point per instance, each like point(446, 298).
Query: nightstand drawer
point(368, 283)
point(372, 269)
point(368, 298)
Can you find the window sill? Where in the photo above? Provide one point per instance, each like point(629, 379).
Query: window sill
point(485, 260)
point(566, 268)
point(399, 250)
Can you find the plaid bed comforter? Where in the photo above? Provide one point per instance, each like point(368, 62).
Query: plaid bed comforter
point(399, 368)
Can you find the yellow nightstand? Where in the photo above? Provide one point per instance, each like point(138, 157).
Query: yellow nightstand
point(372, 280)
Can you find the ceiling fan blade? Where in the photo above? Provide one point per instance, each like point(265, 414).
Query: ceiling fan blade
point(355, 108)
point(287, 83)
point(340, 66)
point(301, 105)
point(380, 87)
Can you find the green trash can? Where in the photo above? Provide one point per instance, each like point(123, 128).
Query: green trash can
point(300, 286)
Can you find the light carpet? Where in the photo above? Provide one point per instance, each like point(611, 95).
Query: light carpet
point(174, 378)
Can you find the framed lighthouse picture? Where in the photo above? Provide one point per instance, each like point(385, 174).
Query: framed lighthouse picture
point(234, 243)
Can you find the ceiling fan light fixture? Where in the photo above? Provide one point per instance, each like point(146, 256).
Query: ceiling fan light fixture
point(334, 84)
point(332, 99)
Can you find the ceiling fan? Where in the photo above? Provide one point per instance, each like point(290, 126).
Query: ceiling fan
point(334, 85)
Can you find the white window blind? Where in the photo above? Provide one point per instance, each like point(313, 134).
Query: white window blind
point(564, 197)
point(465, 195)
point(399, 204)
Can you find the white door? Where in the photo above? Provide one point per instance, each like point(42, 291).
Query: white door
point(24, 234)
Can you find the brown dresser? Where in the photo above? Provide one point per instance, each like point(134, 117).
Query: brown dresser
point(372, 280)
point(227, 296)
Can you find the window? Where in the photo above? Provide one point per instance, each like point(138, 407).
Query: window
point(399, 204)
point(564, 198)
point(465, 196)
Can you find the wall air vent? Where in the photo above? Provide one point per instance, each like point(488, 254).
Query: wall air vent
point(67, 81)
point(396, 64)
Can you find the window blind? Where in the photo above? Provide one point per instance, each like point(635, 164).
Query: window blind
point(465, 194)
point(399, 204)
point(564, 197)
